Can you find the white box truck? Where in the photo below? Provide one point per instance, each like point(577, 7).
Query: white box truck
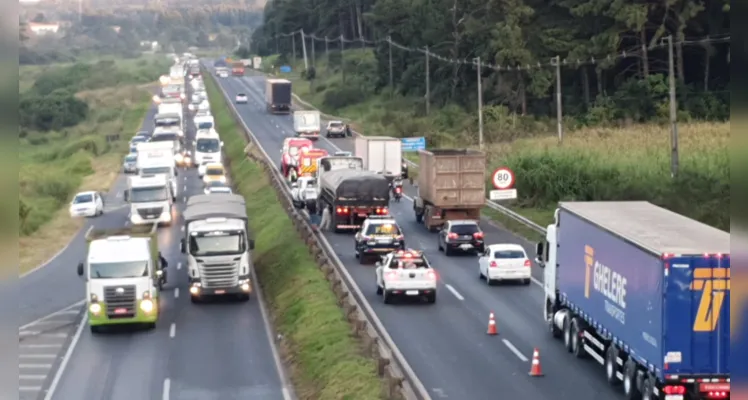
point(306, 124)
point(381, 154)
point(157, 158)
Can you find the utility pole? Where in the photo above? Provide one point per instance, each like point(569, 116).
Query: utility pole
point(80, 11)
point(293, 48)
point(674, 162)
point(559, 110)
point(277, 47)
point(428, 82)
point(480, 103)
point(327, 54)
point(314, 55)
point(389, 43)
point(303, 50)
point(342, 61)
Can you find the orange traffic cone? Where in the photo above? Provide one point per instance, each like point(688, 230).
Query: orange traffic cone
point(492, 325)
point(535, 368)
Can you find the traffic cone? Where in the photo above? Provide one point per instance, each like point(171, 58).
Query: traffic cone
point(535, 368)
point(492, 325)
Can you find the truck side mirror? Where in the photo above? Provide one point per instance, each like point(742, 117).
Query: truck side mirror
point(221, 143)
point(539, 249)
point(126, 195)
point(182, 246)
point(251, 244)
point(80, 269)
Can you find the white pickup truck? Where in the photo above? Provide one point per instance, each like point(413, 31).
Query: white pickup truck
point(405, 274)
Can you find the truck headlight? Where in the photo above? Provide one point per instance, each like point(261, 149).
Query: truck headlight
point(94, 308)
point(146, 305)
point(178, 158)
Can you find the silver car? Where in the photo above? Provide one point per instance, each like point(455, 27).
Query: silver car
point(130, 165)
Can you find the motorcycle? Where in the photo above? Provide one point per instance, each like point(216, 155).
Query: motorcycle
point(397, 190)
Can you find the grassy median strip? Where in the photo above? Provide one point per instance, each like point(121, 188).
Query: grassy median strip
point(325, 359)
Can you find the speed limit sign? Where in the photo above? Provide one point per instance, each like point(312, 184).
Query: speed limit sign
point(503, 178)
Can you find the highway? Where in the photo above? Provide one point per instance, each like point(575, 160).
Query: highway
point(446, 344)
point(218, 350)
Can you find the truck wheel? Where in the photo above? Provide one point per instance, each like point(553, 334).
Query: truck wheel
point(387, 297)
point(95, 330)
point(567, 334)
point(194, 299)
point(630, 390)
point(555, 332)
point(243, 297)
point(419, 218)
point(577, 341)
point(611, 366)
point(379, 290)
point(648, 389)
point(362, 259)
point(150, 326)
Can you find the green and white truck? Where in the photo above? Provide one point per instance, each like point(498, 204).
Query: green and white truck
point(123, 273)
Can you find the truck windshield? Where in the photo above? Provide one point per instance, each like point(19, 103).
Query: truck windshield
point(156, 170)
point(208, 145)
point(204, 125)
point(143, 195)
point(165, 137)
point(167, 122)
point(217, 244)
point(118, 270)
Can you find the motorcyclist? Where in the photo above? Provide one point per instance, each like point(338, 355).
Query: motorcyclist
point(397, 187)
point(162, 266)
point(347, 130)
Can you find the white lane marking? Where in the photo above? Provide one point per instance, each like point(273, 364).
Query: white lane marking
point(40, 346)
point(66, 358)
point(35, 366)
point(185, 187)
point(514, 350)
point(454, 292)
point(37, 356)
point(29, 388)
point(176, 293)
point(32, 377)
point(172, 330)
point(179, 266)
point(167, 389)
point(181, 228)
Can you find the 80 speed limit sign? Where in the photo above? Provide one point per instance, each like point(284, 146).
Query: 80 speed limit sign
point(503, 178)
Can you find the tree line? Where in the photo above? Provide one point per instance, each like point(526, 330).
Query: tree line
point(516, 33)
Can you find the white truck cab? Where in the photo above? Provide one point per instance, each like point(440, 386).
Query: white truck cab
point(207, 145)
point(203, 121)
point(122, 271)
point(150, 199)
point(303, 190)
point(405, 274)
point(217, 246)
point(158, 158)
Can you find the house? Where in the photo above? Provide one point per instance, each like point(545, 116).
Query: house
point(38, 28)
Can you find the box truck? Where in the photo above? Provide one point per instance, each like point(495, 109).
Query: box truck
point(644, 292)
point(451, 185)
point(381, 154)
point(278, 96)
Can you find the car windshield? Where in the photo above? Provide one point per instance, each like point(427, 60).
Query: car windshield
point(138, 139)
point(131, 158)
point(156, 170)
point(217, 244)
point(214, 171)
point(196, 100)
point(508, 254)
point(83, 198)
point(336, 125)
point(464, 229)
point(216, 184)
point(118, 270)
point(382, 229)
point(204, 125)
point(241, 95)
point(165, 137)
point(222, 189)
point(408, 263)
point(143, 195)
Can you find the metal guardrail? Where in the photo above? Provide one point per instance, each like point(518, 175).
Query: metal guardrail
point(490, 204)
point(417, 388)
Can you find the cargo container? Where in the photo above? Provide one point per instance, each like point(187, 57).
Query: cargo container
point(278, 96)
point(352, 195)
point(306, 124)
point(381, 154)
point(643, 291)
point(451, 185)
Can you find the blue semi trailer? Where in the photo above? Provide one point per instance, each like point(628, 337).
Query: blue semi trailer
point(643, 291)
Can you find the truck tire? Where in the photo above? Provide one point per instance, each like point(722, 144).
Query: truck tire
point(648, 389)
point(611, 366)
point(386, 297)
point(95, 330)
point(150, 326)
point(419, 218)
point(577, 341)
point(379, 290)
point(567, 334)
point(630, 390)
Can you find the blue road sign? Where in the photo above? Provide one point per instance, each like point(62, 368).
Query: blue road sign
point(414, 143)
point(285, 69)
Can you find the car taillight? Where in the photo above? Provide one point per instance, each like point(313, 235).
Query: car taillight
point(431, 275)
point(717, 395)
point(398, 190)
point(342, 210)
point(380, 211)
point(674, 389)
point(391, 275)
point(452, 236)
point(493, 264)
point(528, 263)
point(478, 235)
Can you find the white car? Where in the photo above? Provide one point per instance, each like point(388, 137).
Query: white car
point(218, 189)
point(86, 204)
point(241, 98)
point(505, 262)
point(335, 128)
point(405, 273)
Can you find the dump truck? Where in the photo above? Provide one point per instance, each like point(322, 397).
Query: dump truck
point(278, 96)
point(451, 186)
point(381, 154)
point(352, 195)
point(644, 292)
point(123, 275)
point(217, 245)
point(237, 69)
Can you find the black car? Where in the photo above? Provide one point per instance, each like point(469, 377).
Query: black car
point(378, 236)
point(461, 236)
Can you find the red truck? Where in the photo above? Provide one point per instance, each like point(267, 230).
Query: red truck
point(237, 69)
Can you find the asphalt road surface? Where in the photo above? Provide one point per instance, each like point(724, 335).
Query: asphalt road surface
point(218, 350)
point(446, 344)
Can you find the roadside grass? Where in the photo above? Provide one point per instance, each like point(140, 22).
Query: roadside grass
point(593, 163)
point(325, 359)
point(55, 165)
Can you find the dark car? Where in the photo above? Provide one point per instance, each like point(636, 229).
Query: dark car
point(461, 236)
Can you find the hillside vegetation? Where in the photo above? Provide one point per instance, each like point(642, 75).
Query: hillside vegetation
point(613, 81)
point(62, 152)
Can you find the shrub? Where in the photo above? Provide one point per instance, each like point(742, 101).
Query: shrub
point(57, 186)
point(338, 98)
point(51, 112)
